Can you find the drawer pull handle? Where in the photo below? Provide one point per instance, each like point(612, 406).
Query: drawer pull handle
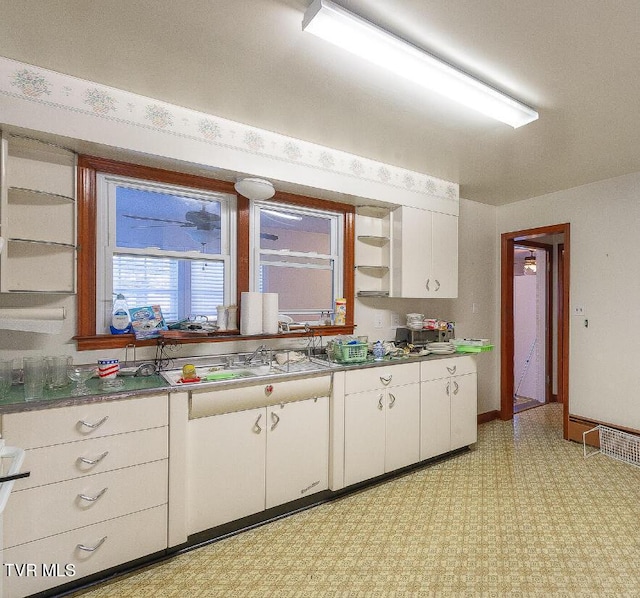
point(93, 461)
point(256, 427)
point(448, 389)
point(386, 381)
point(438, 283)
point(451, 370)
point(275, 418)
point(96, 425)
point(92, 548)
point(380, 402)
point(92, 498)
point(392, 402)
point(456, 388)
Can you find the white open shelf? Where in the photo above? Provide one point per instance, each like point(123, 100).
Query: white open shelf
point(37, 216)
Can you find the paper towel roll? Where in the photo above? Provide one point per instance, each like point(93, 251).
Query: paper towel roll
point(270, 313)
point(45, 320)
point(251, 316)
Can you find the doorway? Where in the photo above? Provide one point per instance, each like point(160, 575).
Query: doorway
point(533, 324)
point(560, 348)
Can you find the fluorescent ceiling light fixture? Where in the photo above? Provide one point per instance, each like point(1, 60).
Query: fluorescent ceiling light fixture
point(358, 36)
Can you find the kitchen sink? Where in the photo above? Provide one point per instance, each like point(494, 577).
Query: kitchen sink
point(226, 368)
point(217, 374)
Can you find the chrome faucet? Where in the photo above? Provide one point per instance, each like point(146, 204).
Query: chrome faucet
point(250, 358)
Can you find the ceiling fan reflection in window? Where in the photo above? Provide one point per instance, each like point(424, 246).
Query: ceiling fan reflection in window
point(201, 223)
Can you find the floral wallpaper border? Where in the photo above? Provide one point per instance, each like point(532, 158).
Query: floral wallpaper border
point(35, 84)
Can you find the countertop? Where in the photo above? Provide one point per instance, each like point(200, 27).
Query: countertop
point(141, 386)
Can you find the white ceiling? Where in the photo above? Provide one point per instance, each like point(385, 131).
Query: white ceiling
point(575, 61)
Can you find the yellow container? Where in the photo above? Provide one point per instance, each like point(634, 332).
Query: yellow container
point(341, 312)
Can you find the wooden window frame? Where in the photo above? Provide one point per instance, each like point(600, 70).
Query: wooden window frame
point(88, 169)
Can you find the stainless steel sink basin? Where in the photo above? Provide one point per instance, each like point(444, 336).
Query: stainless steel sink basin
point(229, 368)
point(216, 374)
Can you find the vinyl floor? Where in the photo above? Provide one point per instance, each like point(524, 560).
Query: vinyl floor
point(522, 514)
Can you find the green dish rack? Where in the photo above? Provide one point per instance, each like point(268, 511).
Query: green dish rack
point(351, 353)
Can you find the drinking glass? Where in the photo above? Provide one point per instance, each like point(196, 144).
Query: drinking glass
point(35, 372)
point(57, 370)
point(6, 368)
point(80, 374)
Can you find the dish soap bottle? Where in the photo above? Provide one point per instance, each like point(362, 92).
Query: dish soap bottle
point(120, 317)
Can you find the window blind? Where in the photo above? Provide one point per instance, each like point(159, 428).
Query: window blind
point(157, 281)
point(207, 287)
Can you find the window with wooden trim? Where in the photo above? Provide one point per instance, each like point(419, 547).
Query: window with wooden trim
point(296, 253)
point(163, 245)
point(132, 260)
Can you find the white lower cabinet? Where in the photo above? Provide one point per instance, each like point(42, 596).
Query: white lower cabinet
point(435, 418)
point(244, 462)
point(448, 410)
point(297, 461)
point(80, 552)
point(225, 463)
point(381, 431)
point(99, 479)
point(84, 501)
point(464, 410)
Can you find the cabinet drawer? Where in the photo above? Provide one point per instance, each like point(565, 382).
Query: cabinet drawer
point(204, 403)
point(66, 424)
point(149, 528)
point(74, 459)
point(372, 378)
point(443, 368)
point(48, 510)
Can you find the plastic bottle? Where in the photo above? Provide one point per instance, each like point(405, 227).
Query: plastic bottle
point(120, 317)
point(340, 318)
point(378, 351)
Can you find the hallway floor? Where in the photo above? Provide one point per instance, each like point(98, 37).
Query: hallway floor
point(523, 514)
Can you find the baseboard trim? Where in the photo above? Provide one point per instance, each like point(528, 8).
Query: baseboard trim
point(488, 416)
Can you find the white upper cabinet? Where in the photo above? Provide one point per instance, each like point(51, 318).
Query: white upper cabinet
point(424, 254)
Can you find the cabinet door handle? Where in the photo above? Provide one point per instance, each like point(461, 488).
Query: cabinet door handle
point(448, 389)
point(93, 498)
point(451, 370)
point(93, 461)
point(427, 285)
point(392, 402)
point(256, 427)
point(275, 418)
point(455, 387)
point(438, 283)
point(92, 548)
point(96, 425)
point(380, 402)
point(386, 381)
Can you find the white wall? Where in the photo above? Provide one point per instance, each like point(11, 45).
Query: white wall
point(604, 376)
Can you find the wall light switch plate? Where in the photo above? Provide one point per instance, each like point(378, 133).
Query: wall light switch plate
point(579, 310)
point(395, 319)
point(378, 320)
